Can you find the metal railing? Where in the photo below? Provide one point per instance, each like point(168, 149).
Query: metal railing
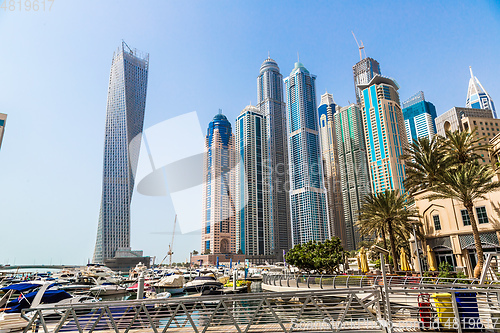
point(358, 281)
point(369, 308)
point(256, 312)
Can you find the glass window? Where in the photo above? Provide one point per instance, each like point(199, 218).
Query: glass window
point(437, 222)
point(482, 217)
point(465, 217)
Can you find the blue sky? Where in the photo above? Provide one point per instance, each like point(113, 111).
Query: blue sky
point(204, 55)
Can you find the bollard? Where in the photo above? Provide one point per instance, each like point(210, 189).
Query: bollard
point(235, 277)
point(140, 286)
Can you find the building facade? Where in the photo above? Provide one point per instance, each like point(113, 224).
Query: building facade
point(451, 119)
point(331, 171)
point(448, 232)
point(353, 167)
point(309, 215)
point(272, 105)
point(252, 184)
point(385, 134)
point(3, 121)
point(419, 116)
point(478, 97)
point(364, 71)
point(218, 234)
point(486, 129)
point(124, 123)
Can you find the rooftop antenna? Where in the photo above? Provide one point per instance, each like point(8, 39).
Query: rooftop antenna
point(298, 58)
point(220, 111)
point(471, 75)
point(360, 47)
point(268, 55)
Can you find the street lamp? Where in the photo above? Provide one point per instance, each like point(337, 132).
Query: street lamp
point(414, 223)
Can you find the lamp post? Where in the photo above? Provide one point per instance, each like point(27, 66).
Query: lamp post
point(414, 223)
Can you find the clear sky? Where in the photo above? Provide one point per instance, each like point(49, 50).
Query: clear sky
point(204, 55)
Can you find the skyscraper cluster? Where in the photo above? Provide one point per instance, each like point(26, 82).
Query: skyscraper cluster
point(302, 170)
point(288, 171)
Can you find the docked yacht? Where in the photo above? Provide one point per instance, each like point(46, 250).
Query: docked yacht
point(174, 284)
point(200, 283)
point(107, 289)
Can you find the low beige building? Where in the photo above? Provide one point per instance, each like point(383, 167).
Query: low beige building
point(3, 120)
point(446, 223)
point(447, 230)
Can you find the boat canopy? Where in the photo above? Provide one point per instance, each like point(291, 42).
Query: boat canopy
point(25, 286)
point(24, 302)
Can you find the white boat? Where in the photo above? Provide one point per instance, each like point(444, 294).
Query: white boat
point(173, 284)
point(107, 289)
point(201, 283)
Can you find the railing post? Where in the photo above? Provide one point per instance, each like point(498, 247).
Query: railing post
point(297, 281)
point(308, 278)
point(361, 281)
point(321, 281)
point(333, 282)
point(288, 281)
point(456, 314)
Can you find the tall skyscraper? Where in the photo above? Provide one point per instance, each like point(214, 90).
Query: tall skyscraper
point(252, 184)
point(124, 122)
point(353, 167)
point(3, 120)
point(218, 234)
point(385, 134)
point(419, 116)
point(309, 214)
point(364, 71)
point(478, 97)
point(271, 104)
point(331, 172)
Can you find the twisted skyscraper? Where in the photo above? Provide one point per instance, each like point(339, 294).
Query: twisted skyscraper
point(124, 122)
point(271, 104)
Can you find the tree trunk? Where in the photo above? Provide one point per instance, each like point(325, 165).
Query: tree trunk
point(393, 245)
point(475, 232)
point(385, 245)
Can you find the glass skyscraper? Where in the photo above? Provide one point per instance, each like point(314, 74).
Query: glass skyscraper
point(252, 185)
point(385, 133)
point(419, 116)
point(353, 167)
point(124, 123)
point(218, 234)
point(328, 140)
point(272, 105)
point(364, 71)
point(478, 97)
point(309, 214)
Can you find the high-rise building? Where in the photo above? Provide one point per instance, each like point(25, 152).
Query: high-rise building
point(451, 119)
point(309, 215)
point(3, 120)
point(124, 123)
point(252, 184)
point(272, 105)
point(364, 71)
point(478, 97)
point(331, 172)
point(353, 167)
point(385, 134)
point(218, 233)
point(419, 116)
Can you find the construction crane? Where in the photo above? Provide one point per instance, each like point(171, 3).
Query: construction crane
point(360, 47)
point(170, 246)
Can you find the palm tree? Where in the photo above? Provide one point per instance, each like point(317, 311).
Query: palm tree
point(425, 160)
point(467, 183)
point(386, 209)
point(463, 147)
